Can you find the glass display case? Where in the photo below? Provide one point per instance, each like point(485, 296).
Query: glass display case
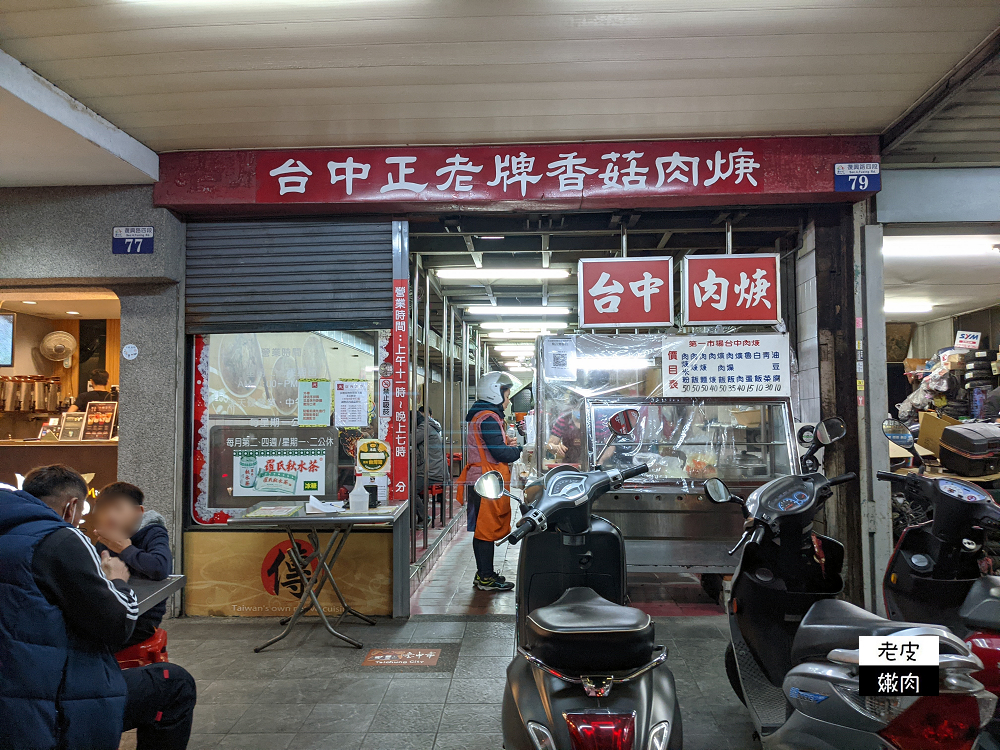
point(735, 426)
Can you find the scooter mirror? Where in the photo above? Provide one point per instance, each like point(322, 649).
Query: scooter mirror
point(830, 430)
point(898, 433)
point(717, 491)
point(624, 421)
point(490, 485)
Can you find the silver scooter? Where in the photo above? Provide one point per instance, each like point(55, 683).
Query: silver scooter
point(793, 660)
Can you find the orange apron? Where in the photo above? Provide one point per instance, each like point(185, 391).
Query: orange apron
point(493, 519)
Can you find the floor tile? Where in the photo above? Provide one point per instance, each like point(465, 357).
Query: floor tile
point(417, 690)
point(483, 667)
point(355, 690)
point(320, 741)
point(277, 719)
point(398, 741)
point(255, 666)
point(476, 717)
point(309, 690)
point(204, 741)
point(465, 691)
point(467, 740)
point(414, 717)
point(334, 717)
point(231, 691)
point(217, 719)
point(256, 742)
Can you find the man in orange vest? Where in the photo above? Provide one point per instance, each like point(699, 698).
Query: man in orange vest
point(486, 449)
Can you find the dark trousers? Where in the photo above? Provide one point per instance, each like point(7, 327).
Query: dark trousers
point(483, 551)
point(160, 704)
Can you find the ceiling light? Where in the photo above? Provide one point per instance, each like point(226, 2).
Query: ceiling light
point(72, 312)
point(489, 237)
point(521, 368)
point(502, 273)
point(940, 246)
point(515, 310)
point(516, 336)
point(28, 302)
point(908, 306)
point(613, 363)
point(371, 368)
point(534, 325)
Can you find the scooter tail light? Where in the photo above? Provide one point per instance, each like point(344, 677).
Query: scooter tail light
point(541, 737)
point(943, 722)
point(601, 731)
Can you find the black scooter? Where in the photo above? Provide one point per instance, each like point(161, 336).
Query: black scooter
point(586, 674)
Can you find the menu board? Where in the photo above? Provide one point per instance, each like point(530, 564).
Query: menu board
point(100, 420)
point(72, 426)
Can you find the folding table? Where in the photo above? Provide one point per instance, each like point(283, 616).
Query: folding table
point(341, 525)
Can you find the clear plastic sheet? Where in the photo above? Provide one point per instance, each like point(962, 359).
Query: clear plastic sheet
point(584, 379)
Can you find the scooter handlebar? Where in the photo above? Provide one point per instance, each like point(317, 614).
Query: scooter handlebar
point(634, 471)
point(519, 532)
point(842, 479)
point(888, 476)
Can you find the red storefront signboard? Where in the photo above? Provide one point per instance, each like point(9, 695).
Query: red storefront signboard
point(626, 293)
point(739, 171)
point(732, 289)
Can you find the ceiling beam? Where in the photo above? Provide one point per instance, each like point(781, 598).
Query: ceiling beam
point(36, 92)
point(477, 257)
point(952, 84)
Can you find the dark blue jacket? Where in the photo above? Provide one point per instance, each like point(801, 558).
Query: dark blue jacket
point(492, 434)
point(58, 688)
point(149, 557)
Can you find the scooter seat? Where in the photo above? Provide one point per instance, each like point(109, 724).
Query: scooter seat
point(831, 623)
point(981, 608)
point(583, 633)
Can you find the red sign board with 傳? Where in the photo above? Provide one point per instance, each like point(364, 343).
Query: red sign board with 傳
point(626, 293)
point(570, 175)
point(732, 289)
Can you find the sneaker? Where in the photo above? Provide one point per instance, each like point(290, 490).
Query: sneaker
point(499, 577)
point(492, 584)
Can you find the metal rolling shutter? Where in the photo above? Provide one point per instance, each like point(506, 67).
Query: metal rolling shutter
point(261, 276)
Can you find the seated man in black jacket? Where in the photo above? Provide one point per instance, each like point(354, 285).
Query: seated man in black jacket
point(64, 611)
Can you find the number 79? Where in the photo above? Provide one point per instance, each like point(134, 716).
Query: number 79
point(858, 182)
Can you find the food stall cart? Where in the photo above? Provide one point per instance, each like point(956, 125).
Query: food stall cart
point(708, 406)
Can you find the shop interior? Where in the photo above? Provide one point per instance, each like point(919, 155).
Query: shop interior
point(942, 305)
point(477, 278)
point(51, 341)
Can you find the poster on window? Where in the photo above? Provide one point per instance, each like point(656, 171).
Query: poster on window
point(626, 292)
point(314, 403)
point(752, 364)
point(731, 289)
point(351, 403)
point(270, 473)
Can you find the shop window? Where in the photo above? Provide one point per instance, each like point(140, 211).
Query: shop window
point(741, 437)
point(253, 397)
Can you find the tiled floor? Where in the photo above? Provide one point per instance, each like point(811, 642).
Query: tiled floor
point(311, 692)
point(448, 588)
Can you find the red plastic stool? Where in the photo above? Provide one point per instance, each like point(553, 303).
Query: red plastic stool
point(153, 650)
point(436, 492)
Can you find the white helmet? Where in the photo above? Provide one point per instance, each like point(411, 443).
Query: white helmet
point(489, 387)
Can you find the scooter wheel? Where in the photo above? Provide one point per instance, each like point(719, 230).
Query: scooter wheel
point(734, 674)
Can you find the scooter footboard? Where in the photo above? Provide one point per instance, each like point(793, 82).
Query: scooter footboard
point(537, 696)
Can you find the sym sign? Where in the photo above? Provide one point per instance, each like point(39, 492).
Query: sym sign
point(731, 289)
point(626, 293)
